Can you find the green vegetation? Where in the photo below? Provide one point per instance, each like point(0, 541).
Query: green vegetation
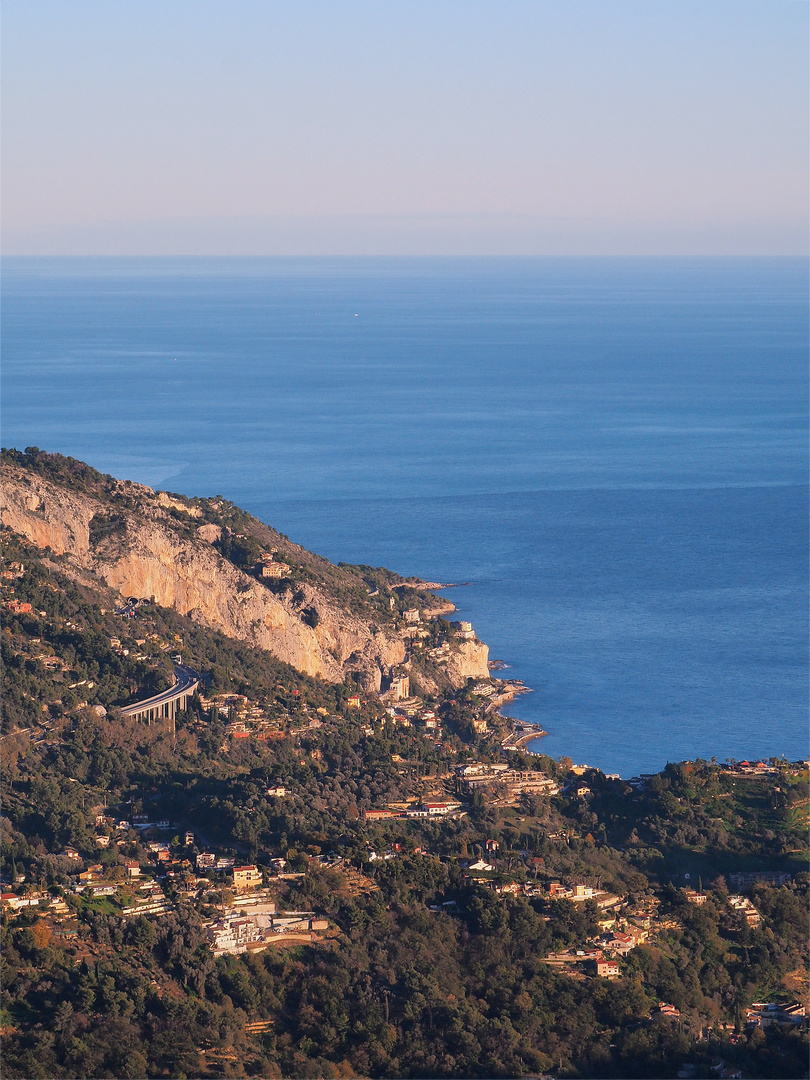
point(430, 967)
point(74, 474)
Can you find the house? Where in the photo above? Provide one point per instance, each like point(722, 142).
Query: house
point(92, 873)
point(695, 897)
point(18, 607)
point(583, 892)
point(246, 877)
point(639, 934)
point(11, 900)
point(746, 910)
point(464, 630)
point(396, 686)
point(233, 935)
point(276, 792)
point(765, 1013)
point(665, 1009)
point(756, 877)
point(411, 615)
point(189, 839)
point(133, 868)
point(479, 864)
point(607, 969)
point(103, 890)
point(479, 768)
point(590, 954)
point(353, 702)
point(559, 891)
point(511, 888)
point(72, 853)
point(619, 942)
point(378, 815)
point(438, 809)
point(274, 570)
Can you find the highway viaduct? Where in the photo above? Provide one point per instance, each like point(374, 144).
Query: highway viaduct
point(166, 705)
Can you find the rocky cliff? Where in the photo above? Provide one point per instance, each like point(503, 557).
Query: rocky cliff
point(130, 541)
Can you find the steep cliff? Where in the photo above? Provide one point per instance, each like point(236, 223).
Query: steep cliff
point(130, 539)
point(468, 661)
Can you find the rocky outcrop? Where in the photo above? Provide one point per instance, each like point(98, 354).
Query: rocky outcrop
point(468, 660)
point(174, 504)
point(210, 533)
point(142, 553)
point(464, 660)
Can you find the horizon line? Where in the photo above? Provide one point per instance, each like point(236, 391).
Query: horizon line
point(410, 256)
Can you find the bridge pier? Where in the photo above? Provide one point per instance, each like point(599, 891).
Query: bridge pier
point(163, 706)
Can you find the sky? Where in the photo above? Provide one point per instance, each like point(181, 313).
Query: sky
point(366, 127)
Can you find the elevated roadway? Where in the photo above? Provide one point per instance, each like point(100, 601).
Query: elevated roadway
point(166, 705)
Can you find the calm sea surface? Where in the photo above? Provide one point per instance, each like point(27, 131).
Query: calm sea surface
point(611, 453)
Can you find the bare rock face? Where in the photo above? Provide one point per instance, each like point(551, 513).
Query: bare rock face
point(469, 660)
point(174, 504)
point(140, 554)
point(48, 515)
point(211, 533)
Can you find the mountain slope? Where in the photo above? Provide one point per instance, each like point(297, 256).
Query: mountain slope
point(328, 621)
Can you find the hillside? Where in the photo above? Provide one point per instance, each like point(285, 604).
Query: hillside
point(293, 878)
point(203, 559)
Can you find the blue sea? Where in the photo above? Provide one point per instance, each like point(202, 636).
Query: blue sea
point(608, 456)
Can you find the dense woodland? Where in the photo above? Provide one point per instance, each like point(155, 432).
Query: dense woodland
point(426, 970)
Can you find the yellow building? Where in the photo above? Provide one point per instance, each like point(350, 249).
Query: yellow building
point(246, 877)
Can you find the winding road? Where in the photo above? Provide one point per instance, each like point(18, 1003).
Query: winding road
point(165, 705)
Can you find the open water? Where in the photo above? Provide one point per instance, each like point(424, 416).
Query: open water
point(611, 453)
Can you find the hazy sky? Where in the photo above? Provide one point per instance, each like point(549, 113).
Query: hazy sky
point(376, 126)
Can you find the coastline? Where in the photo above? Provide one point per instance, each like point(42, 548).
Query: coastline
point(521, 732)
point(519, 738)
point(444, 607)
point(510, 689)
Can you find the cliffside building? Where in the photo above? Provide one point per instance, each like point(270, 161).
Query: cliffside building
point(396, 685)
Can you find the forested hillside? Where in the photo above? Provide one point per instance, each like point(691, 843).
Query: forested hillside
point(304, 877)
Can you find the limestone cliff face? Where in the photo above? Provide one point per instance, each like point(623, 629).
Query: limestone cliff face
point(140, 554)
point(468, 661)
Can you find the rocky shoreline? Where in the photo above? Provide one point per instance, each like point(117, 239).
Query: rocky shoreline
point(510, 689)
